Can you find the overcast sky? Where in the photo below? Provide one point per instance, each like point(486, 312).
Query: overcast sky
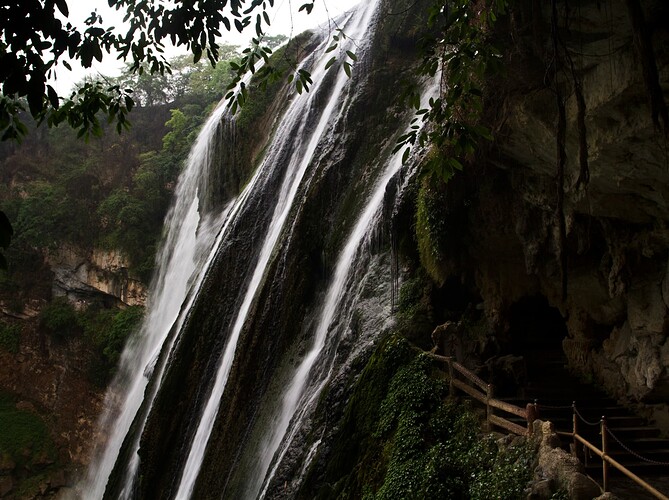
point(286, 20)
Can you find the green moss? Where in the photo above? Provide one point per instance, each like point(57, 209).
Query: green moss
point(414, 309)
point(10, 336)
point(431, 229)
point(401, 438)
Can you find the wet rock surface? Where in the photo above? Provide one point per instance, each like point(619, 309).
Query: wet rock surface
point(615, 310)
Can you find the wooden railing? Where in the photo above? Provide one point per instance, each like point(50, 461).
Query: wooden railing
point(606, 459)
point(478, 389)
point(463, 379)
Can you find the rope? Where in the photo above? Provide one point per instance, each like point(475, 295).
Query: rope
point(548, 407)
point(634, 453)
point(583, 419)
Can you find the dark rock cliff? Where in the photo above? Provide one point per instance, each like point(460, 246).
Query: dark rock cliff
point(502, 214)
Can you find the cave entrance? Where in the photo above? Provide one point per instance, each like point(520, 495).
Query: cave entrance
point(536, 331)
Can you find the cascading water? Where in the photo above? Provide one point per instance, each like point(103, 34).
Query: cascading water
point(301, 159)
point(234, 270)
point(315, 370)
point(181, 262)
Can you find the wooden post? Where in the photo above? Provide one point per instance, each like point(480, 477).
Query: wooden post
point(451, 387)
point(488, 397)
point(605, 463)
point(574, 431)
point(531, 412)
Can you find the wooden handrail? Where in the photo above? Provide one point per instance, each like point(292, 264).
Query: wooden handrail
point(509, 426)
point(479, 396)
point(478, 389)
point(469, 375)
point(490, 402)
point(606, 458)
point(509, 408)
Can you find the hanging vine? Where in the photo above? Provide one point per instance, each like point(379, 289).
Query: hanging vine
point(641, 38)
point(561, 153)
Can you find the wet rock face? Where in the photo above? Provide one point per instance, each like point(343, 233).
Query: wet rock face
point(617, 242)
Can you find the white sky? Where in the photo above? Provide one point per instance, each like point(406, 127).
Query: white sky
point(285, 19)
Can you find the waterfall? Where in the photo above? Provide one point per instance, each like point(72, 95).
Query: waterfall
point(294, 119)
point(221, 262)
point(306, 385)
point(182, 260)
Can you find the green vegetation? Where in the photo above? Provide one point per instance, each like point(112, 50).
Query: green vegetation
point(59, 318)
point(26, 447)
point(24, 438)
point(414, 311)
point(29, 65)
point(109, 329)
point(113, 192)
point(457, 49)
point(106, 329)
point(401, 438)
point(431, 229)
point(10, 336)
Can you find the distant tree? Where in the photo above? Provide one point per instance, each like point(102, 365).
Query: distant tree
point(185, 77)
point(36, 40)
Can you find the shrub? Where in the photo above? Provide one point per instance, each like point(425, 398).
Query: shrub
point(59, 318)
point(10, 335)
point(108, 330)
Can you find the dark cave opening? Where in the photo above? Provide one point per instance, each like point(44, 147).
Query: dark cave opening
point(534, 353)
point(535, 327)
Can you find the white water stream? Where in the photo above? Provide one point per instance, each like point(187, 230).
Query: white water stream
point(305, 387)
point(305, 143)
point(188, 246)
